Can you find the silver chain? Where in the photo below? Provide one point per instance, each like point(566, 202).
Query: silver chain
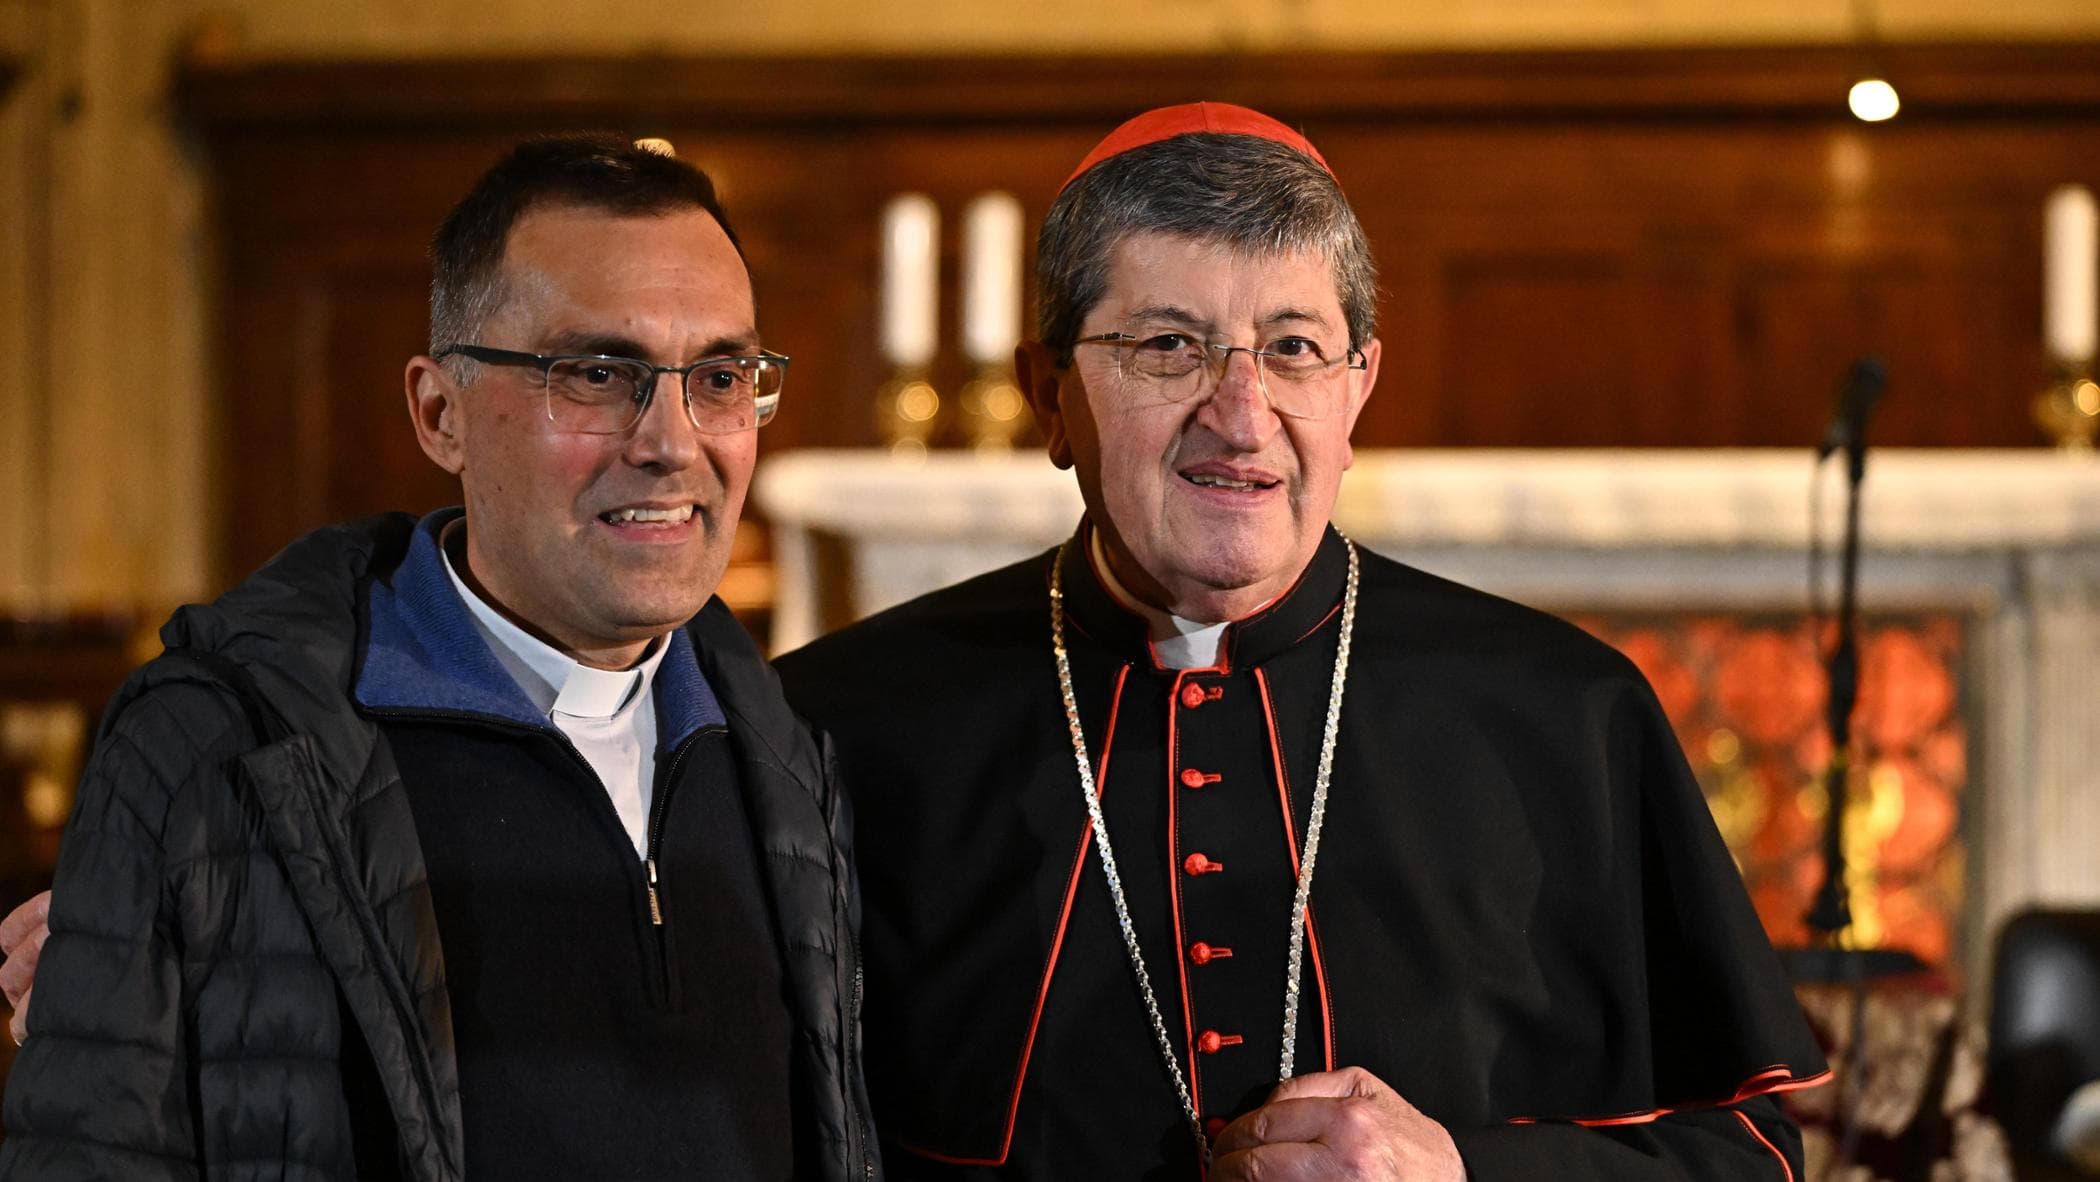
point(1300, 900)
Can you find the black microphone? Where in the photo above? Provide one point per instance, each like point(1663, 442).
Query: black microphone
point(1856, 398)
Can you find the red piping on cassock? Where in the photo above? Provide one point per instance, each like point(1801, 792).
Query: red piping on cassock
point(1057, 943)
point(1290, 835)
point(1181, 964)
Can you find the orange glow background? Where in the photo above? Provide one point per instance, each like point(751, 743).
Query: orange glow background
point(1746, 695)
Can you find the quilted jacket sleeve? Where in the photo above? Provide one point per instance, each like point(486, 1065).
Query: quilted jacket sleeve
point(107, 1085)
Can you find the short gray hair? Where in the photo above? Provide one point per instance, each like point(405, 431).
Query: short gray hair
point(1244, 191)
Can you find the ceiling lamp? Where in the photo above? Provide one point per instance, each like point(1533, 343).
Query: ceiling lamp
point(1872, 99)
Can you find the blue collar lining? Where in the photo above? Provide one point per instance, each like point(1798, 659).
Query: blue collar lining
point(423, 653)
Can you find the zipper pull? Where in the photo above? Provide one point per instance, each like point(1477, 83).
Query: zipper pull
point(656, 911)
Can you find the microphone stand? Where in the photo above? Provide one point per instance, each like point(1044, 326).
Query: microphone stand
point(1826, 960)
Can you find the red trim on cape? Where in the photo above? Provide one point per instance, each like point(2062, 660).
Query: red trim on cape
point(1770, 1082)
point(1765, 1141)
point(1057, 943)
point(1290, 839)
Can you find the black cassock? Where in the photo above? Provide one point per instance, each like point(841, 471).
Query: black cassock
point(1522, 916)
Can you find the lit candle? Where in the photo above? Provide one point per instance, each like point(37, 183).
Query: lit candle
point(911, 261)
point(2069, 259)
point(992, 278)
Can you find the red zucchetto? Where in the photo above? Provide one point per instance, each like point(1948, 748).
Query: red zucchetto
point(1162, 123)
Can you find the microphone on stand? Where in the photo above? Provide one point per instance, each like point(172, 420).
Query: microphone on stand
point(1831, 914)
point(1825, 961)
point(1863, 387)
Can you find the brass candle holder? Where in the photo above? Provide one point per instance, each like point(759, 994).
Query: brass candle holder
point(992, 409)
point(907, 409)
point(2069, 409)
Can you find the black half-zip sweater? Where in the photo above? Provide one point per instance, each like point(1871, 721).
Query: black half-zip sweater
point(606, 1026)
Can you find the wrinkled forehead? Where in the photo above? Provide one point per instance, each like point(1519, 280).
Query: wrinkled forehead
point(1216, 283)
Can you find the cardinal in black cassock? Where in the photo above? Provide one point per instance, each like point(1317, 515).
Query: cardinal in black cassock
point(1092, 788)
point(1523, 920)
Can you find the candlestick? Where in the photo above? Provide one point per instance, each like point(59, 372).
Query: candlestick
point(992, 408)
point(992, 278)
point(2069, 409)
point(2069, 264)
point(910, 280)
point(907, 409)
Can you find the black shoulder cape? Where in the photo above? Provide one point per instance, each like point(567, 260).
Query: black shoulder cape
point(1522, 913)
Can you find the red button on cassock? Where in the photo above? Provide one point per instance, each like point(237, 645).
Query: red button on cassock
point(1210, 1040)
point(1193, 695)
point(1213, 1127)
point(1199, 863)
point(1191, 778)
point(1203, 953)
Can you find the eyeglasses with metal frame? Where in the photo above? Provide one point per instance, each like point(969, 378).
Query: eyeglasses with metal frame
point(596, 394)
point(1169, 363)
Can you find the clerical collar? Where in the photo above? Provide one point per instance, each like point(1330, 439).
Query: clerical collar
point(555, 682)
point(1177, 641)
point(1112, 616)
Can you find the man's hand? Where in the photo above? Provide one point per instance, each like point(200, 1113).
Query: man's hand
point(21, 942)
point(1343, 1126)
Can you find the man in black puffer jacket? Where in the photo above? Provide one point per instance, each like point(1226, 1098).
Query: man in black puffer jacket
point(481, 845)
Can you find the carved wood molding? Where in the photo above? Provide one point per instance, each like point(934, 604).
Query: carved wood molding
point(10, 69)
point(1805, 82)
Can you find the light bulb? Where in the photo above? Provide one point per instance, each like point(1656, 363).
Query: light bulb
point(1874, 100)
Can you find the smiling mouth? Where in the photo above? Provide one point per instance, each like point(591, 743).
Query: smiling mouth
point(1212, 480)
point(657, 517)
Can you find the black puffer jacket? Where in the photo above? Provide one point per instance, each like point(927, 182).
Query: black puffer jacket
point(243, 977)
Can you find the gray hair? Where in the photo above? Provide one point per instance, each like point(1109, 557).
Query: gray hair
point(1246, 192)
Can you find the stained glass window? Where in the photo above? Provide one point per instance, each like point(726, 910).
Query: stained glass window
point(1747, 696)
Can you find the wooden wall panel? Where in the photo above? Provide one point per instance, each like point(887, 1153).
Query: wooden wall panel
point(1926, 242)
point(1801, 322)
point(356, 308)
point(1569, 379)
point(1668, 248)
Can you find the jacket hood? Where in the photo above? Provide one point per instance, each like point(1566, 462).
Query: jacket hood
point(364, 610)
point(300, 610)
